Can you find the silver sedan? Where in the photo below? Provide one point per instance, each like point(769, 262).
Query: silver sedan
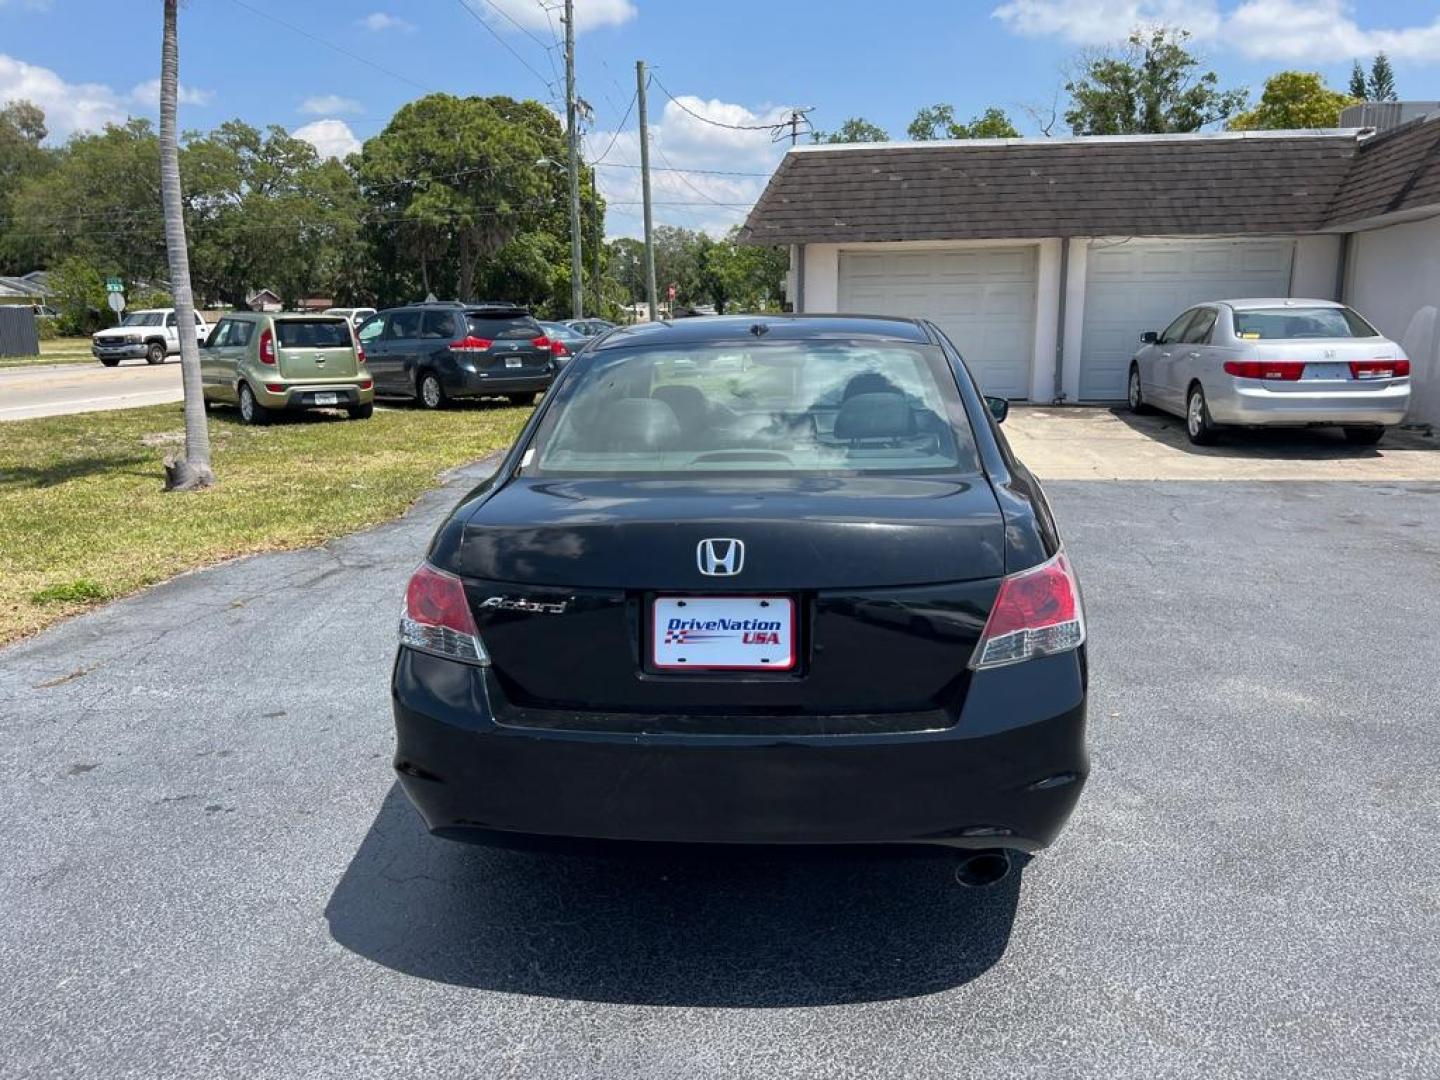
point(1281, 362)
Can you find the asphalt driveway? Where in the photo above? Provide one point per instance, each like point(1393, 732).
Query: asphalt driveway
point(209, 872)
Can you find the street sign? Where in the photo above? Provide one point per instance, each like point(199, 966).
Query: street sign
point(117, 302)
point(114, 285)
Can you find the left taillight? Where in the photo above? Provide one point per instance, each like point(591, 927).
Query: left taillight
point(1037, 612)
point(267, 347)
point(437, 617)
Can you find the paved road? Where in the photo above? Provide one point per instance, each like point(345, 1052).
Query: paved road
point(59, 389)
point(208, 871)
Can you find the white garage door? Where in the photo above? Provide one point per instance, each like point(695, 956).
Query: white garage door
point(984, 300)
point(1136, 285)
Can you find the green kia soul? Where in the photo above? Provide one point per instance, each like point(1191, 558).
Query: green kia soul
point(266, 364)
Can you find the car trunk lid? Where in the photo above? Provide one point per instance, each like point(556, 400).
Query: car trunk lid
point(891, 581)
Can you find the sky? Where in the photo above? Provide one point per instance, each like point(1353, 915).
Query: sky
point(334, 71)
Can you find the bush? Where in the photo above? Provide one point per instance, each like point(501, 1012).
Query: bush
point(77, 291)
point(47, 329)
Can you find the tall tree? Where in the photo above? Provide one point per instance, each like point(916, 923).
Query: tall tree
point(460, 175)
point(193, 470)
point(856, 129)
point(1359, 88)
point(1382, 79)
point(1152, 85)
point(1293, 99)
point(22, 130)
point(938, 122)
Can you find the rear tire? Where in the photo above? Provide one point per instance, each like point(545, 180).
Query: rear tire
point(1134, 396)
point(522, 399)
point(155, 354)
point(251, 411)
point(1364, 436)
point(360, 412)
point(110, 361)
point(430, 392)
point(1198, 425)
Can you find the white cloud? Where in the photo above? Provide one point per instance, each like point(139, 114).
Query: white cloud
point(1316, 31)
point(322, 104)
point(693, 163)
point(69, 107)
point(532, 14)
point(332, 138)
point(1098, 22)
point(147, 95)
point(380, 21)
point(1319, 30)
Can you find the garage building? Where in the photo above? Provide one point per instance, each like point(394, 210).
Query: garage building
point(1044, 259)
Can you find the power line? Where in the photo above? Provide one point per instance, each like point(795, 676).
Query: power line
point(620, 128)
point(331, 45)
point(508, 47)
point(697, 172)
point(707, 120)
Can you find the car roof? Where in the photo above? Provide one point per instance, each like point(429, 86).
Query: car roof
point(721, 328)
point(1250, 303)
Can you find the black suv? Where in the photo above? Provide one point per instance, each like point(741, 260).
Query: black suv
point(437, 351)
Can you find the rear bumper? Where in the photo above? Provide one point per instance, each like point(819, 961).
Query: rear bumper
point(1007, 773)
point(463, 383)
point(300, 398)
point(1249, 401)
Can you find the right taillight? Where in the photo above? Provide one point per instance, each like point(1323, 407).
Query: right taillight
point(437, 617)
point(1037, 612)
point(471, 344)
point(1379, 369)
point(267, 347)
point(1284, 370)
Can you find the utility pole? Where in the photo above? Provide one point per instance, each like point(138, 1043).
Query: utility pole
point(599, 311)
point(577, 302)
point(645, 189)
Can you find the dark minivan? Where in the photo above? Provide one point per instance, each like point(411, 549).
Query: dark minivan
point(435, 352)
point(771, 580)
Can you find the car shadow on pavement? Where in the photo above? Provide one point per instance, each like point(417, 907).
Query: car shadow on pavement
point(1267, 444)
point(668, 926)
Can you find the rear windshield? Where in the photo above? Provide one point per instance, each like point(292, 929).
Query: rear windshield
point(499, 327)
point(313, 333)
point(1286, 323)
point(781, 408)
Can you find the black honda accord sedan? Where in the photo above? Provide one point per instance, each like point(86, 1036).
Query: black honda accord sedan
point(767, 579)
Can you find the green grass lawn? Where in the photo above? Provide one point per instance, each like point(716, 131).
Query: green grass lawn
point(67, 350)
point(84, 517)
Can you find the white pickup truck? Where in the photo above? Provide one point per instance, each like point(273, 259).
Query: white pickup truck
point(152, 333)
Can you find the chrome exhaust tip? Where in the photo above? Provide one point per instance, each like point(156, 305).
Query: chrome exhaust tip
point(981, 869)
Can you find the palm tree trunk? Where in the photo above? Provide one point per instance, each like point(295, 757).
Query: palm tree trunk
point(192, 471)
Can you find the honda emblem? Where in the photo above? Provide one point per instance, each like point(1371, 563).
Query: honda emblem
point(720, 557)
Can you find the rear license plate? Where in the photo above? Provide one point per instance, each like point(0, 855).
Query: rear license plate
point(514, 361)
point(1327, 371)
point(723, 633)
point(327, 399)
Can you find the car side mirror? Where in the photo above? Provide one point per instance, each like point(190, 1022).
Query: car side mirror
point(999, 408)
point(1149, 337)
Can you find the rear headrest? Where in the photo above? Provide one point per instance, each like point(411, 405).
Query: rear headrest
point(875, 416)
point(637, 424)
point(868, 382)
point(687, 402)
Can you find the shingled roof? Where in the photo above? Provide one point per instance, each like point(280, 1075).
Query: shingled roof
point(1395, 171)
point(1162, 185)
